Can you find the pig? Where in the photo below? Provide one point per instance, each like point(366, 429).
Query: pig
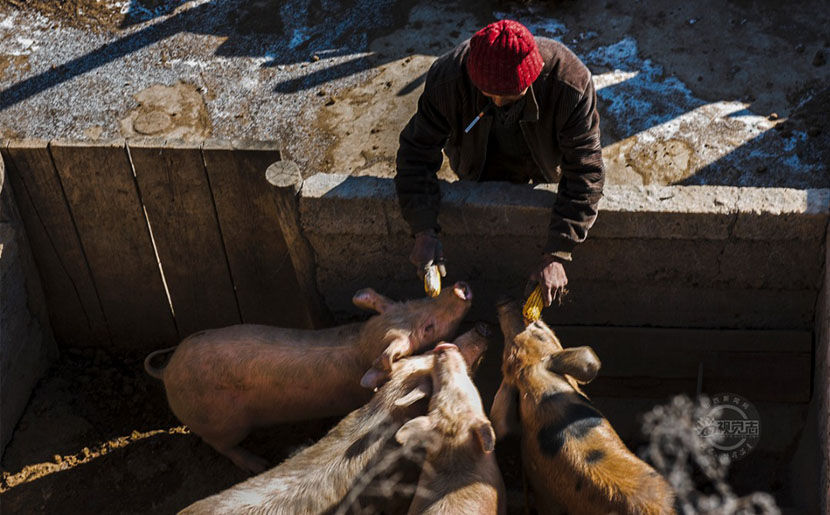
point(460, 475)
point(320, 477)
point(573, 459)
point(224, 382)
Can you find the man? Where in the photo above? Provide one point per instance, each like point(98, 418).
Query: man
point(505, 106)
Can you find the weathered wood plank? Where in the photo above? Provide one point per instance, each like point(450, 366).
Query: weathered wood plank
point(286, 179)
point(101, 191)
point(265, 282)
point(176, 195)
point(642, 362)
point(74, 308)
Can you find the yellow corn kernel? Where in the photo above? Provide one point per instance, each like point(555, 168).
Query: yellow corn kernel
point(532, 310)
point(432, 281)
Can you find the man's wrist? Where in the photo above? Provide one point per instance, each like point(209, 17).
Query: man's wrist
point(560, 256)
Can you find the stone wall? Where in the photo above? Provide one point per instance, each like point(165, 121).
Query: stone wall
point(715, 257)
point(26, 344)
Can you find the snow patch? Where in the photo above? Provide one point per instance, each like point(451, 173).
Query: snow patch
point(534, 19)
point(300, 36)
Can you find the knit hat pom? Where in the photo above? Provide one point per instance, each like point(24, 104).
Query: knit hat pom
point(503, 58)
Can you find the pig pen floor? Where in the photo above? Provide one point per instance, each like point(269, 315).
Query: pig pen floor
point(98, 437)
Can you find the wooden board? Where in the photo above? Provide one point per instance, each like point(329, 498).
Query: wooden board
point(179, 204)
point(265, 281)
point(75, 311)
point(773, 366)
point(101, 192)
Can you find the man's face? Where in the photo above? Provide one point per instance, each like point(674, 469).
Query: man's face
point(503, 100)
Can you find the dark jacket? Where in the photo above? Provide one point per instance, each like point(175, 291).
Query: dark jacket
point(560, 124)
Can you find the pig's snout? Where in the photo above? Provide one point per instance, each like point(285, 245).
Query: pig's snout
point(463, 291)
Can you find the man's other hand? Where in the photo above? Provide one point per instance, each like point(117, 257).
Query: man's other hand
point(551, 277)
point(427, 252)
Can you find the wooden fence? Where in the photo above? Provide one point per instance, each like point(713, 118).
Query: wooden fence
point(140, 244)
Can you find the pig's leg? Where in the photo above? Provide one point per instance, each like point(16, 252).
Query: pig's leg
point(245, 460)
point(228, 445)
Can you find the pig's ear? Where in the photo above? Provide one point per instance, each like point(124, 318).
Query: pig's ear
point(421, 391)
point(418, 430)
point(373, 378)
point(368, 298)
point(505, 411)
point(581, 363)
point(398, 345)
point(485, 435)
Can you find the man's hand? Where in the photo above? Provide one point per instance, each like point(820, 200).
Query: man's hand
point(427, 252)
point(551, 277)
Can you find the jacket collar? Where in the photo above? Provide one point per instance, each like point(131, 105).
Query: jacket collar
point(531, 109)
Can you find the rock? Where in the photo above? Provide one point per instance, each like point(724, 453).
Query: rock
point(819, 59)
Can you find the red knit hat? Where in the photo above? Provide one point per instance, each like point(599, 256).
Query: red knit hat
point(503, 58)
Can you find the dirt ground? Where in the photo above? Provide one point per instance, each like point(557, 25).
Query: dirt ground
point(98, 437)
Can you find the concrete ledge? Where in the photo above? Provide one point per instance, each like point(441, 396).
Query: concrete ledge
point(650, 212)
point(676, 256)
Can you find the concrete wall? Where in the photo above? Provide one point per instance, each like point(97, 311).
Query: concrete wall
point(719, 257)
point(26, 344)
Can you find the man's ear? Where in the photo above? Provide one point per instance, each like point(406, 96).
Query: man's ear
point(422, 390)
point(505, 411)
point(581, 363)
point(416, 431)
point(367, 298)
point(485, 435)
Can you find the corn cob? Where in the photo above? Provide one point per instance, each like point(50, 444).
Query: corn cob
point(532, 310)
point(432, 281)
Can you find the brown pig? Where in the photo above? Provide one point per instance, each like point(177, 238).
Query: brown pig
point(460, 474)
point(318, 478)
point(224, 382)
point(574, 460)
